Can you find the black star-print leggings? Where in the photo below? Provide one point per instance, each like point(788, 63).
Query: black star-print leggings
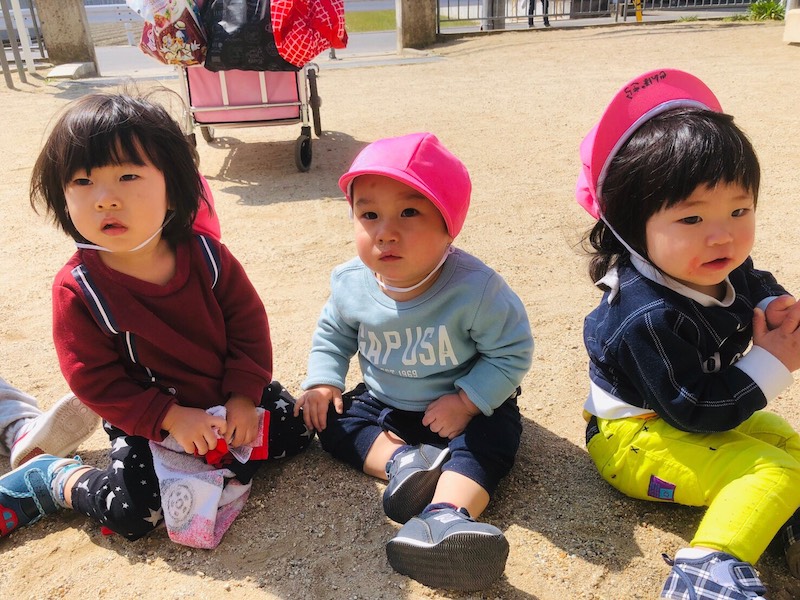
point(125, 496)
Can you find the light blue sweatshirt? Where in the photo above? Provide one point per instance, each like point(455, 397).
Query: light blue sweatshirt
point(469, 331)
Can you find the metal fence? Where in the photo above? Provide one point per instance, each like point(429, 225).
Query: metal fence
point(488, 15)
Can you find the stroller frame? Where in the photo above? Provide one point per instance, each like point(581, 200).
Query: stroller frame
point(248, 102)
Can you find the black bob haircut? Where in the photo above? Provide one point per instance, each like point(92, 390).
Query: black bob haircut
point(662, 164)
point(108, 129)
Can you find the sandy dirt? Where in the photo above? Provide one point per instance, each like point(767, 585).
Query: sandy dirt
point(514, 107)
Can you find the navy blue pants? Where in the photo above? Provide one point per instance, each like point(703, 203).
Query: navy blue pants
point(484, 452)
point(532, 10)
point(125, 497)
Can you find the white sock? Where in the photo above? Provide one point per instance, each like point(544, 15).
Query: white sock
point(693, 553)
point(61, 473)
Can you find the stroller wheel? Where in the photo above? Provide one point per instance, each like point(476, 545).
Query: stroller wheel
point(302, 153)
point(207, 133)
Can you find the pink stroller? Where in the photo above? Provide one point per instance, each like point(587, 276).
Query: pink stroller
point(256, 70)
point(255, 60)
point(228, 99)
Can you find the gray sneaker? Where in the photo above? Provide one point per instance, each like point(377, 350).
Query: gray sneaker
point(716, 576)
point(445, 548)
point(59, 431)
point(413, 475)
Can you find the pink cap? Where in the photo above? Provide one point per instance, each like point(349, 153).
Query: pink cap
point(420, 161)
point(638, 101)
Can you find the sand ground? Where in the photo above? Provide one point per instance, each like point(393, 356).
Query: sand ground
point(514, 107)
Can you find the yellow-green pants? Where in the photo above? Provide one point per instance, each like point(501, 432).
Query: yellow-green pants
point(748, 477)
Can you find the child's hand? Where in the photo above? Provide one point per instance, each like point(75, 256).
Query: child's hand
point(449, 415)
point(242, 418)
point(783, 342)
point(314, 403)
point(777, 310)
point(193, 428)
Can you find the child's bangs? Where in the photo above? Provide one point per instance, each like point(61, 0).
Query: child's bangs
point(103, 148)
point(685, 149)
point(715, 159)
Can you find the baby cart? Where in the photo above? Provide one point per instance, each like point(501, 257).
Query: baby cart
point(228, 99)
point(245, 63)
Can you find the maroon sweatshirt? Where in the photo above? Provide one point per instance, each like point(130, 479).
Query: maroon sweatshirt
point(129, 349)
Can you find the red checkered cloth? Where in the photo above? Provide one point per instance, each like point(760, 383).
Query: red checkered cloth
point(303, 29)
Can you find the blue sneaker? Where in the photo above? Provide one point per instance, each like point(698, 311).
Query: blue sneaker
point(716, 576)
point(25, 495)
point(445, 548)
point(413, 475)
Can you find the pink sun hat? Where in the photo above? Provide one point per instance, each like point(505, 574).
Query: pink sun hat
point(420, 161)
point(638, 101)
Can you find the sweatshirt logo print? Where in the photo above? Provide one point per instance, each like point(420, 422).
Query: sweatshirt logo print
point(413, 346)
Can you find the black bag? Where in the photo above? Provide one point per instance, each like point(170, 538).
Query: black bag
point(240, 37)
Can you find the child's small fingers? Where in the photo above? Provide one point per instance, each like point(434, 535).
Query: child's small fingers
point(793, 314)
point(790, 321)
point(759, 321)
point(307, 421)
point(318, 420)
point(782, 302)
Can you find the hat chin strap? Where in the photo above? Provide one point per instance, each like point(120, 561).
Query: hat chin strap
point(644, 266)
point(391, 288)
point(633, 252)
point(139, 247)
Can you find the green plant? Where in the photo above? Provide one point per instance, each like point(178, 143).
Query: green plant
point(766, 10)
point(733, 18)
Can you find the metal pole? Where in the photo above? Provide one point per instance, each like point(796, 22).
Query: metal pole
point(36, 29)
point(6, 68)
point(23, 35)
point(398, 16)
point(12, 38)
point(488, 14)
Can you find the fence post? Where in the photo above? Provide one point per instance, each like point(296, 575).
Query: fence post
point(66, 33)
point(416, 23)
point(494, 11)
point(791, 25)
